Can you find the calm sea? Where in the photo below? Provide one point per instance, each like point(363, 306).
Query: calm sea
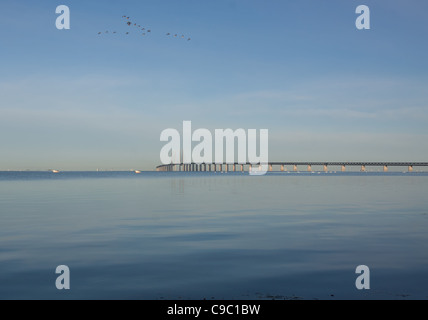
point(214, 236)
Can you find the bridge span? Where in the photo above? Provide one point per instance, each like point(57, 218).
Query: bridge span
point(283, 166)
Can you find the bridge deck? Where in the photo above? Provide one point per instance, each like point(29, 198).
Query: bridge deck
point(204, 167)
point(388, 164)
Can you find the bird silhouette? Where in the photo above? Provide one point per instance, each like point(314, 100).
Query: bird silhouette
point(145, 31)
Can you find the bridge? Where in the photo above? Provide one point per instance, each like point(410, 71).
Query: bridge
point(283, 166)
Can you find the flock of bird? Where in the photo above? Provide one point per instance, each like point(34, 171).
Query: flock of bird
point(144, 30)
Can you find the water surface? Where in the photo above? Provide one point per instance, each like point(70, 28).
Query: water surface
point(214, 236)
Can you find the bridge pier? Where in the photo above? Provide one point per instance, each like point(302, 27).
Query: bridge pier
point(363, 168)
point(343, 168)
point(270, 168)
point(410, 168)
point(242, 168)
point(295, 168)
point(325, 168)
point(309, 168)
point(282, 167)
point(385, 168)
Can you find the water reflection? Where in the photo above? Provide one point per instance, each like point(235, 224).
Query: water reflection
point(204, 236)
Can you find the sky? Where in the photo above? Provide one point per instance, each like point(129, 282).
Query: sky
point(76, 100)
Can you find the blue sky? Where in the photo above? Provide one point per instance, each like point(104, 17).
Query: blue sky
point(74, 100)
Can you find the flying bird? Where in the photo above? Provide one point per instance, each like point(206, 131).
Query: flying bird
point(145, 32)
